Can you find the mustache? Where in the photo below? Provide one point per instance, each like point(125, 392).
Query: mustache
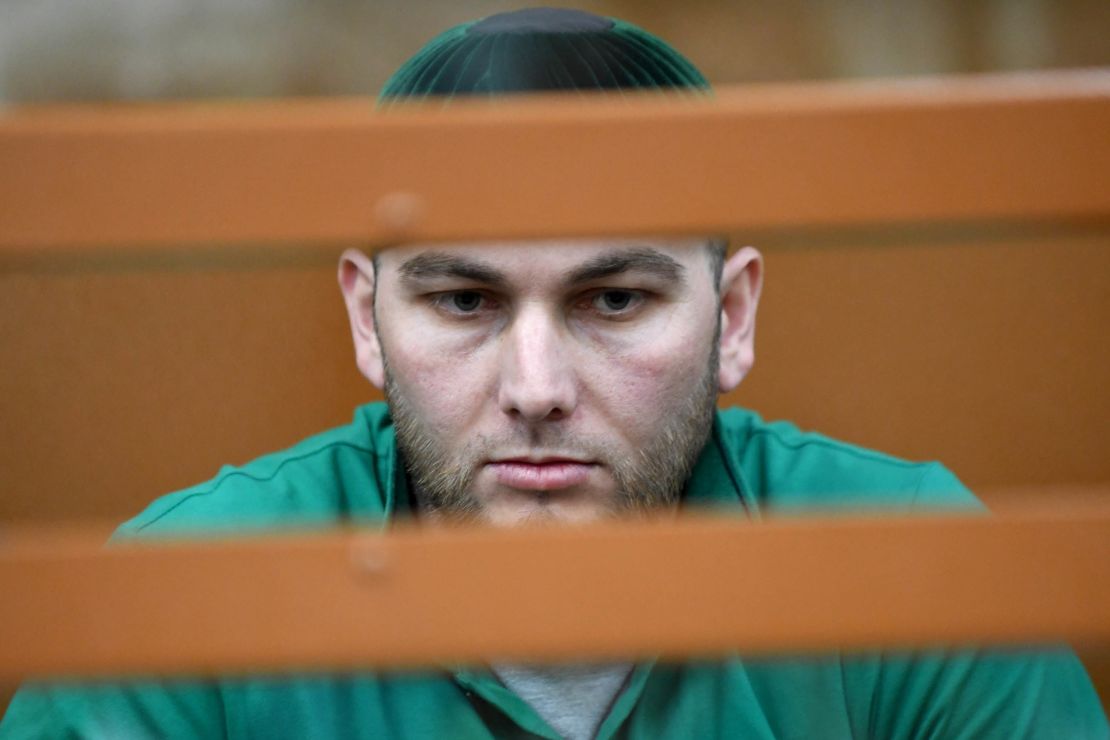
point(539, 442)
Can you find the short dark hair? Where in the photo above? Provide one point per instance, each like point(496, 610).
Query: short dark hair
point(717, 247)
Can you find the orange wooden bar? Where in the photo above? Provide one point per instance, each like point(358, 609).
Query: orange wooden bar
point(692, 587)
point(1021, 147)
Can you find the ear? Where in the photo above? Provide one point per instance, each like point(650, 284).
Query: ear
point(357, 280)
point(741, 282)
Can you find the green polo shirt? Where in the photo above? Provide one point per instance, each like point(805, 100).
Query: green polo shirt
point(351, 474)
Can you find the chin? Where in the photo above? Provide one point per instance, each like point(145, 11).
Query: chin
point(535, 513)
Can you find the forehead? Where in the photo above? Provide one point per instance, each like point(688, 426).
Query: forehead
point(540, 259)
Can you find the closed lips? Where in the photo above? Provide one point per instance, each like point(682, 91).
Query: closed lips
point(541, 474)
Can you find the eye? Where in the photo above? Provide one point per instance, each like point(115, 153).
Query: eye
point(466, 301)
point(463, 303)
point(616, 301)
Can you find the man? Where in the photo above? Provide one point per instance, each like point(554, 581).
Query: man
point(567, 381)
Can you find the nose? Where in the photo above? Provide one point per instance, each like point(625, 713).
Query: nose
point(538, 380)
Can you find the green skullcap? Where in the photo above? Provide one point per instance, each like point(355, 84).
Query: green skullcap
point(541, 49)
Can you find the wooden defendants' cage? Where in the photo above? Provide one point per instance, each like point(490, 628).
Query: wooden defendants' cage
point(91, 194)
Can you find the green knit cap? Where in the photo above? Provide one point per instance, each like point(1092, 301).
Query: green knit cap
point(541, 49)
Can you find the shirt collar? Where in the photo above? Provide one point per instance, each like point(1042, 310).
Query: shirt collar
point(716, 483)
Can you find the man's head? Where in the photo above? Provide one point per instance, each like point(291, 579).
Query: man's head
point(562, 380)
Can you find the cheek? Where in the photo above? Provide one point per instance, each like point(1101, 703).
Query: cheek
point(443, 384)
point(643, 378)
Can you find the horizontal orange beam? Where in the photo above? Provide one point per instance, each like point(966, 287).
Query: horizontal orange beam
point(341, 600)
point(1026, 147)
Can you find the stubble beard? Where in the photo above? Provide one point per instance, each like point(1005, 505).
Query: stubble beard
point(648, 481)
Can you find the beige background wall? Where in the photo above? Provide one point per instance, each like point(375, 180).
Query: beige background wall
point(155, 49)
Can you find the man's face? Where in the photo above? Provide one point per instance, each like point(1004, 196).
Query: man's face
point(564, 381)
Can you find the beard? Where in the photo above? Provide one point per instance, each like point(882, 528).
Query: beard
point(648, 480)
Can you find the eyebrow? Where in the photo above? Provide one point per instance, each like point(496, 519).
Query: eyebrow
point(439, 264)
point(430, 265)
point(642, 259)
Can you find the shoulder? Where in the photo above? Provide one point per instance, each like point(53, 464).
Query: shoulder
point(997, 693)
point(786, 468)
point(340, 473)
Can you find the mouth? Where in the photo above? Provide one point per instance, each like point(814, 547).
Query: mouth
point(545, 473)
